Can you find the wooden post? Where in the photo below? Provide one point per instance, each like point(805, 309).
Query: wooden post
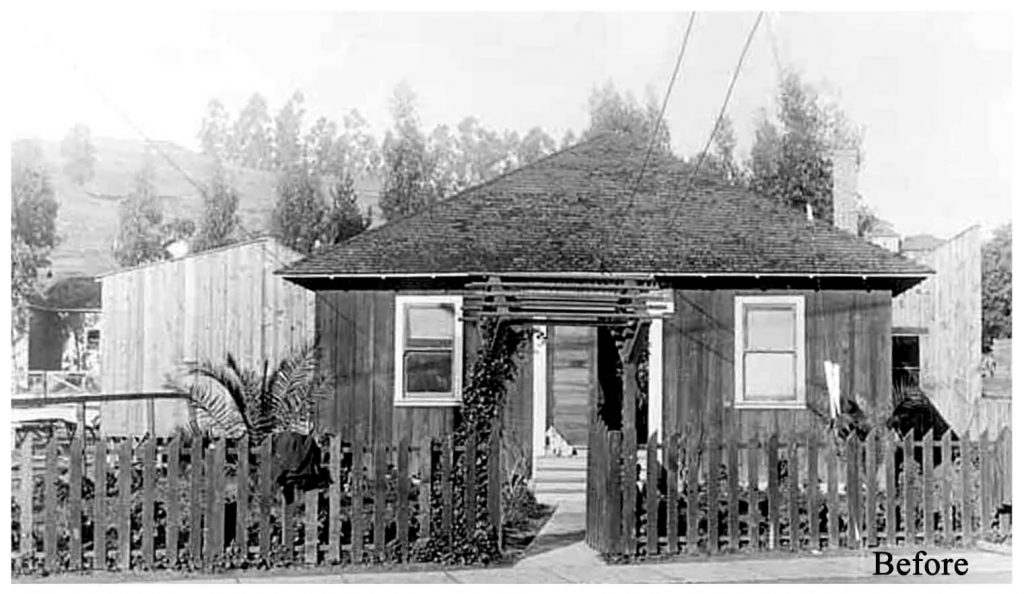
point(889, 460)
point(356, 488)
point(692, 495)
point(652, 502)
point(173, 500)
point(426, 486)
point(494, 484)
point(714, 449)
point(124, 495)
point(629, 454)
point(985, 481)
point(813, 493)
point(733, 467)
point(773, 491)
point(99, 518)
point(793, 464)
point(927, 498)
point(311, 526)
point(871, 482)
point(195, 533)
point(334, 501)
point(76, 471)
point(50, 511)
point(403, 497)
point(967, 505)
point(214, 520)
point(833, 494)
point(469, 483)
point(672, 482)
point(945, 484)
point(753, 512)
point(242, 497)
point(909, 505)
point(148, 492)
point(614, 516)
point(853, 491)
point(447, 455)
point(267, 491)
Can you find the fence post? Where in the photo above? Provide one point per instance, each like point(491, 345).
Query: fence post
point(99, 519)
point(672, 483)
point(195, 532)
point(447, 454)
point(267, 492)
point(334, 501)
point(927, 496)
point(173, 503)
point(871, 482)
point(692, 494)
point(403, 498)
point(494, 484)
point(793, 505)
point(909, 476)
point(615, 511)
point(889, 460)
point(945, 480)
point(985, 478)
point(733, 468)
point(853, 491)
point(242, 497)
point(833, 493)
point(311, 526)
point(753, 511)
point(124, 495)
point(773, 491)
point(214, 519)
point(148, 490)
point(967, 505)
point(77, 461)
point(50, 511)
point(426, 460)
point(652, 501)
point(813, 493)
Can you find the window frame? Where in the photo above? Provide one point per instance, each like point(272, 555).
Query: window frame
point(892, 339)
point(741, 305)
point(402, 302)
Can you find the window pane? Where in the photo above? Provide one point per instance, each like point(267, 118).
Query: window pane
point(906, 351)
point(428, 371)
point(771, 329)
point(430, 322)
point(769, 377)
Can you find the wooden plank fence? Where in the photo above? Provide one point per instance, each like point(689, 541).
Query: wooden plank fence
point(129, 503)
point(804, 493)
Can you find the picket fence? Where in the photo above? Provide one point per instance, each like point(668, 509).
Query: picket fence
point(860, 493)
point(180, 502)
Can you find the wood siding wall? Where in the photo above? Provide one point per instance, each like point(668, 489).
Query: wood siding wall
point(356, 330)
point(848, 327)
point(948, 307)
point(158, 317)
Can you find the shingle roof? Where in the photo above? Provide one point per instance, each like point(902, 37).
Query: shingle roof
point(572, 213)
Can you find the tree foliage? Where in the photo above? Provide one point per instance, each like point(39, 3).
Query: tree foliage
point(33, 227)
point(314, 210)
point(219, 224)
point(410, 176)
point(288, 142)
point(215, 134)
point(790, 159)
point(610, 111)
point(142, 231)
point(997, 286)
point(253, 136)
point(79, 154)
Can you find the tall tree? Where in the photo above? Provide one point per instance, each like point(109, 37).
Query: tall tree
point(320, 148)
point(33, 227)
point(359, 150)
point(79, 154)
point(409, 169)
point(142, 231)
point(997, 286)
point(219, 224)
point(288, 132)
point(721, 161)
point(215, 134)
point(612, 112)
point(343, 219)
point(536, 144)
point(791, 158)
point(253, 135)
point(300, 209)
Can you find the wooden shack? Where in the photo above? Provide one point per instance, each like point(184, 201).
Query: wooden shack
point(937, 329)
point(159, 317)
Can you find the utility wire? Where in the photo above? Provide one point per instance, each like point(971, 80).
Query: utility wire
point(658, 122)
point(718, 120)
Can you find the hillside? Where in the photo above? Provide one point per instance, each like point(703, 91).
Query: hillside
point(87, 219)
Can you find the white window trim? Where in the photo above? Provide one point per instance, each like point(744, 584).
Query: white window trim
point(801, 351)
point(401, 302)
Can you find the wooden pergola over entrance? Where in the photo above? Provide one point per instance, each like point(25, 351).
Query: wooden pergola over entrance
point(627, 302)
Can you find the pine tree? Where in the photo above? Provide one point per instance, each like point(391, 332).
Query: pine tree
point(79, 154)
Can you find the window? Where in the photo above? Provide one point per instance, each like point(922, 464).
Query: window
point(906, 361)
point(92, 340)
point(428, 350)
point(769, 363)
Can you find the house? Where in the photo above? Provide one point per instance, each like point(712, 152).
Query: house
point(755, 300)
point(159, 317)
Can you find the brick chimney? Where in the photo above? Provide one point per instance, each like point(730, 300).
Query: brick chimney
point(844, 189)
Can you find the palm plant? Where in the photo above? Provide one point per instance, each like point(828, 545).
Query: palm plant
point(231, 400)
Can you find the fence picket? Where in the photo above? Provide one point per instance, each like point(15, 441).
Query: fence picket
point(494, 484)
point(380, 494)
point(909, 505)
point(853, 518)
point(793, 467)
point(871, 491)
point(173, 502)
point(753, 497)
point(214, 517)
point(672, 486)
point(629, 503)
point(469, 482)
point(615, 510)
point(447, 454)
point(426, 461)
point(242, 497)
point(773, 491)
point(334, 501)
point(311, 526)
point(195, 532)
point(266, 487)
point(813, 494)
point(51, 515)
point(692, 495)
point(985, 480)
point(148, 492)
point(714, 467)
point(833, 494)
point(927, 486)
point(652, 503)
point(889, 461)
point(733, 510)
point(966, 506)
point(124, 496)
point(945, 481)
point(99, 518)
point(356, 488)
point(76, 470)
point(403, 498)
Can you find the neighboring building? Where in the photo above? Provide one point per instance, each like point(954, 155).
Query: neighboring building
point(758, 300)
point(63, 330)
point(159, 317)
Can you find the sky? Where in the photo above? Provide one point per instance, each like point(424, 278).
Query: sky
point(932, 91)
